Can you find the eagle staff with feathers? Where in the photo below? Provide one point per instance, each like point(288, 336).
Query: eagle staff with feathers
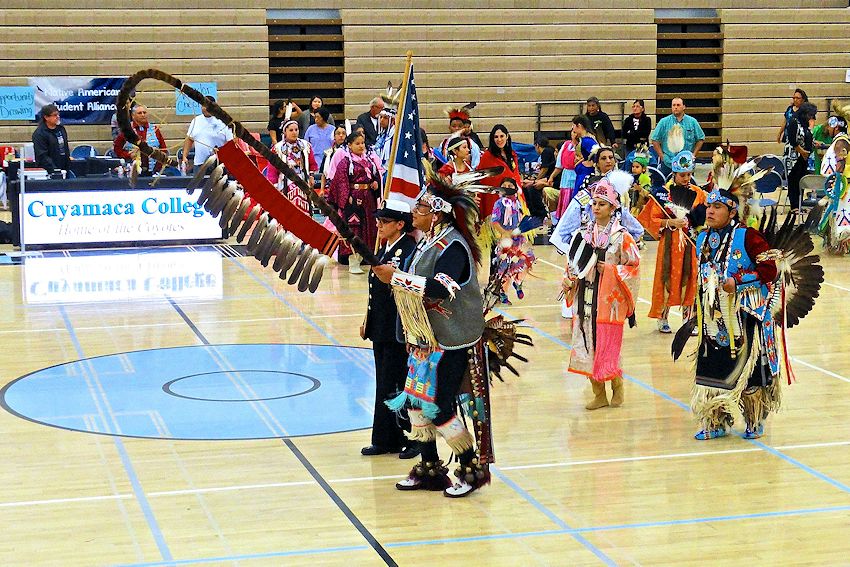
point(753, 285)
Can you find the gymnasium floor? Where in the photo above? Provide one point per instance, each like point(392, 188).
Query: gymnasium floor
point(182, 406)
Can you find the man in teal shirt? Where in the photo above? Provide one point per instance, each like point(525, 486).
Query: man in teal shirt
point(691, 131)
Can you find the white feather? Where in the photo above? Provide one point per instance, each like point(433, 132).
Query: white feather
point(621, 180)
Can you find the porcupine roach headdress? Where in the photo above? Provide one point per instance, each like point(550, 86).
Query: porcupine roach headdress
point(842, 111)
point(280, 230)
point(461, 113)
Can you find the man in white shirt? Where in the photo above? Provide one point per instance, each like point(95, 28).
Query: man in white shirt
point(209, 133)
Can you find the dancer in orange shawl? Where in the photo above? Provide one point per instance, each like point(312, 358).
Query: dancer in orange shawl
point(672, 217)
point(601, 280)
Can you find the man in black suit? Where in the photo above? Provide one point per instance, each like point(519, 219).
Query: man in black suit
point(382, 328)
point(370, 120)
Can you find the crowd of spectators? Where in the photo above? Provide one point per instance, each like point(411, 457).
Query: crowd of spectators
point(563, 164)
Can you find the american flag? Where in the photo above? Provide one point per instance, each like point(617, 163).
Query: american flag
point(408, 177)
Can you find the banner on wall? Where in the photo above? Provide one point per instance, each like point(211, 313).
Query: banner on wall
point(81, 100)
point(16, 103)
point(188, 107)
point(140, 215)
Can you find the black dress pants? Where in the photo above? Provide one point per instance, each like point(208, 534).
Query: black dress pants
point(390, 372)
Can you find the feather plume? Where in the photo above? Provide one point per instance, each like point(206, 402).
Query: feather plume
point(675, 139)
point(800, 273)
point(681, 339)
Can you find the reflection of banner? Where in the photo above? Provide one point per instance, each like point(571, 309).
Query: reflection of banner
point(81, 100)
point(16, 103)
point(139, 215)
point(188, 107)
point(118, 277)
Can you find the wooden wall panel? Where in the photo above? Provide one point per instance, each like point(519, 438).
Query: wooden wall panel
point(505, 60)
point(228, 46)
point(769, 53)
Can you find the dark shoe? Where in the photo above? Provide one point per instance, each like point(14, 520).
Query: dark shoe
point(409, 452)
point(373, 450)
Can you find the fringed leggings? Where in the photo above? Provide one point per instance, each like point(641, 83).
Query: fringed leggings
point(450, 372)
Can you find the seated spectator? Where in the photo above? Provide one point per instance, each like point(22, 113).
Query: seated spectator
point(637, 127)
point(307, 119)
point(145, 131)
point(50, 142)
point(207, 133)
point(602, 127)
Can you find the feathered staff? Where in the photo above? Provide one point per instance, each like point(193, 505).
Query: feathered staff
point(240, 132)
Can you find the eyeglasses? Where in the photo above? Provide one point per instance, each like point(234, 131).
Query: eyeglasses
point(380, 221)
point(422, 209)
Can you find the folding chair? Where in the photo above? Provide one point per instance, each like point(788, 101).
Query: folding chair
point(776, 163)
point(770, 183)
point(83, 151)
point(811, 191)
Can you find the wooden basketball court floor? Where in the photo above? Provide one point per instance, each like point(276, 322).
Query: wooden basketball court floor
point(626, 486)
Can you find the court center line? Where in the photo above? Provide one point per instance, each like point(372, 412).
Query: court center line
point(127, 463)
point(332, 494)
point(319, 479)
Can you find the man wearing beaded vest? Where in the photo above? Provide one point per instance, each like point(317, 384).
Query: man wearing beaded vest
point(737, 359)
point(441, 308)
point(752, 286)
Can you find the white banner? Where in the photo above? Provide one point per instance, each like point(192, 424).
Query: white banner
point(68, 217)
point(123, 276)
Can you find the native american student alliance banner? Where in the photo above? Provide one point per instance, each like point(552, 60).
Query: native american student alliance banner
point(81, 100)
point(139, 215)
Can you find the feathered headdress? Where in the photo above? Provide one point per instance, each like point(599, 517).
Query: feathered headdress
point(737, 181)
point(642, 154)
point(675, 139)
point(621, 181)
point(461, 113)
point(391, 97)
point(456, 200)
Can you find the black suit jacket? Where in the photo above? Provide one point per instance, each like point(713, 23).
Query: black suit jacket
point(381, 314)
point(369, 130)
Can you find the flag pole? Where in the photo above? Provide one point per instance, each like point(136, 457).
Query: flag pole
point(397, 134)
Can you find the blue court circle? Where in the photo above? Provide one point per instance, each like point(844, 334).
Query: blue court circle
point(207, 392)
